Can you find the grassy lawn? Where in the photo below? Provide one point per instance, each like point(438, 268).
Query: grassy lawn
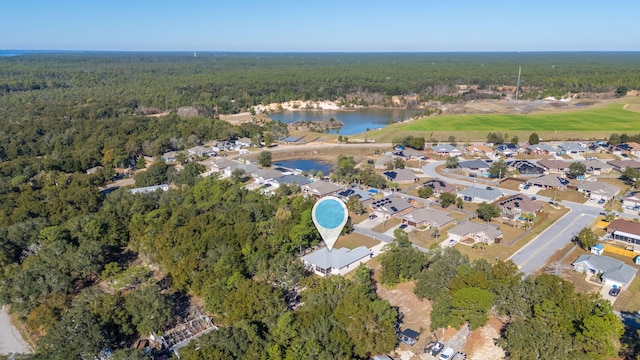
point(511, 184)
point(388, 224)
point(629, 299)
point(353, 240)
point(426, 239)
point(565, 195)
point(581, 123)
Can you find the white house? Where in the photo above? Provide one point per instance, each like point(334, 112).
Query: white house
point(479, 195)
point(337, 261)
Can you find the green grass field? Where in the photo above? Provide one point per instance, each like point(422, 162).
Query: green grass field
point(579, 124)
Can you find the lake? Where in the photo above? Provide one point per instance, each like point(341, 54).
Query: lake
point(307, 165)
point(355, 121)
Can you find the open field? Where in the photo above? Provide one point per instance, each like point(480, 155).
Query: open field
point(583, 123)
point(353, 240)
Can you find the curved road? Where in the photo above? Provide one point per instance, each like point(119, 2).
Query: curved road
point(538, 251)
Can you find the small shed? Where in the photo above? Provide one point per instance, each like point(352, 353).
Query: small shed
point(597, 249)
point(408, 336)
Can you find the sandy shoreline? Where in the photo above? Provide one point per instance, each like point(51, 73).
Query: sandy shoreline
point(11, 341)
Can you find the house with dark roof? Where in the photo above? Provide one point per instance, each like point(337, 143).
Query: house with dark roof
point(516, 206)
point(326, 262)
point(612, 271)
point(362, 195)
point(408, 336)
point(625, 231)
point(427, 218)
point(478, 232)
point(480, 194)
point(390, 205)
point(320, 188)
point(598, 190)
point(440, 186)
point(401, 176)
point(508, 150)
point(524, 167)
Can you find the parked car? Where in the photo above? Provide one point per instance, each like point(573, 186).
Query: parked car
point(403, 226)
point(447, 354)
point(614, 291)
point(372, 216)
point(437, 347)
point(601, 201)
point(451, 242)
point(534, 198)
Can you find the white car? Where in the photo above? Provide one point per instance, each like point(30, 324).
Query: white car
point(447, 354)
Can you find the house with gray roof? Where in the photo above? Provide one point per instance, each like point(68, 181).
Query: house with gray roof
point(243, 142)
point(170, 156)
point(472, 166)
point(382, 162)
point(290, 179)
point(571, 148)
point(540, 149)
point(200, 151)
point(612, 271)
point(337, 261)
point(598, 190)
point(478, 232)
point(262, 176)
point(596, 167)
point(401, 176)
point(149, 189)
point(549, 181)
point(427, 218)
point(480, 194)
point(320, 188)
point(446, 150)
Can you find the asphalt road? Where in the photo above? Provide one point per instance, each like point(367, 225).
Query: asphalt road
point(537, 252)
point(11, 341)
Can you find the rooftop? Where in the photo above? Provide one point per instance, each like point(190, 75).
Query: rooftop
point(336, 258)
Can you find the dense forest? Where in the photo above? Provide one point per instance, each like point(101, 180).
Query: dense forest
point(86, 271)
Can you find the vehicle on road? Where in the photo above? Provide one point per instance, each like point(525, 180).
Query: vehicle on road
point(447, 354)
point(614, 291)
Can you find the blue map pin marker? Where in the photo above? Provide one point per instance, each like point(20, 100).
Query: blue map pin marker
point(330, 215)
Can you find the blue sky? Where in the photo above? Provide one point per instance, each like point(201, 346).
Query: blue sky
point(327, 25)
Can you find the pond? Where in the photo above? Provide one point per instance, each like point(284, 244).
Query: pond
point(355, 121)
point(307, 165)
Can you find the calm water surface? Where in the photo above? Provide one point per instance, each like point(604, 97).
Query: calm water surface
point(355, 121)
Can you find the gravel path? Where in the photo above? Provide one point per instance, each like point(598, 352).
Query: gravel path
point(11, 340)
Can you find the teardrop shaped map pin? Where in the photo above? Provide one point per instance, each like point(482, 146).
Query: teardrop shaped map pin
point(330, 215)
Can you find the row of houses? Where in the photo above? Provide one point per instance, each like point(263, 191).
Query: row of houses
point(510, 150)
point(200, 151)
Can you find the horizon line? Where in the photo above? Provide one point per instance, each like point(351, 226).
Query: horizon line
point(324, 51)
